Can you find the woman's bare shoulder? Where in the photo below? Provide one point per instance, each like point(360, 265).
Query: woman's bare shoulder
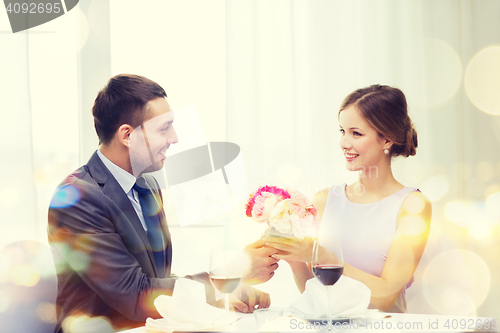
point(416, 203)
point(319, 199)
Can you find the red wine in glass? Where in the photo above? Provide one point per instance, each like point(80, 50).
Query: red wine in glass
point(225, 284)
point(328, 275)
point(328, 265)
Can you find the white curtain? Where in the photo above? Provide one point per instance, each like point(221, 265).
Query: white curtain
point(269, 76)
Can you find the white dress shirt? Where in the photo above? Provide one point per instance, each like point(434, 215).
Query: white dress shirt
point(126, 181)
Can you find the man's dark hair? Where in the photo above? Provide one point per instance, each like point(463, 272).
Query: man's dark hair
point(123, 101)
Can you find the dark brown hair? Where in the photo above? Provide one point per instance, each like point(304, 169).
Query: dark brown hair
point(123, 101)
point(385, 109)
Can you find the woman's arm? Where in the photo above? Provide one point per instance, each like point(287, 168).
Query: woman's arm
point(404, 255)
point(301, 273)
point(402, 260)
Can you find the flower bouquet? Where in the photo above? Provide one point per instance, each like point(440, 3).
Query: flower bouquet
point(287, 213)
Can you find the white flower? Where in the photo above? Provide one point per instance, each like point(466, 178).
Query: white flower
point(279, 218)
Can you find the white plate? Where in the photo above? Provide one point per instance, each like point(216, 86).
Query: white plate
point(369, 313)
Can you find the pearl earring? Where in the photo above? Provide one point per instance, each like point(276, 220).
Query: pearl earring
point(386, 151)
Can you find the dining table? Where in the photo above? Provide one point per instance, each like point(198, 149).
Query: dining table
point(374, 322)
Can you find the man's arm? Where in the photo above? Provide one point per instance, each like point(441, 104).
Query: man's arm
point(99, 261)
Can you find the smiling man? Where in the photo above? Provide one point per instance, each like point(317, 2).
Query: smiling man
point(107, 227)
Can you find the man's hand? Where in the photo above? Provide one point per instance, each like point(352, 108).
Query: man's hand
point(245, 298)
point(261, 265)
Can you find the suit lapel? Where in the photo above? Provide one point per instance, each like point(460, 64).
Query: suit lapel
point(114, 191)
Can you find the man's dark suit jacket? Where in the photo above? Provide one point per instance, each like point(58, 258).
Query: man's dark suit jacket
point(102, 254)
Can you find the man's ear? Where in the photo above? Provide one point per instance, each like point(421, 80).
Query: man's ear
point(123, 134)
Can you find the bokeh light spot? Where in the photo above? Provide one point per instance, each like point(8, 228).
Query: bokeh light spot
point(452, 211)
point(491, 190)
point(23, 275)
point(456, 300)
point(4, 267)
point(481, 228)
point(456, 212)
point(456, 282)
point(84, 323)
point(44, 264)
point(65, 196)
point(493, 205)
point(78, 260)
point(63, 251)
point(482, 80)
point(83, 243)
point(451, 296)
point(435, 187)
point(46, 312)
point(414, 225)
point(480, 276)
point(441, 69)
point(414, 204)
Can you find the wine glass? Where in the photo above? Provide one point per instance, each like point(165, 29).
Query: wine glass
point(328, 265)
point(225, 270)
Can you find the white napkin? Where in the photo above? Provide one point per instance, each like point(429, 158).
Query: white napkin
point(349, 297)
point(186, 309)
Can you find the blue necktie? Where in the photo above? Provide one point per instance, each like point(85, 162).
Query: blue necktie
point(150, 210)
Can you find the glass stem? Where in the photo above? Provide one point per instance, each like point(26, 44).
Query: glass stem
point(226, 302)
point(329, 298)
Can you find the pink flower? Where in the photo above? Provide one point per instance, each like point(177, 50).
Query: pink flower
point(300, 199)
point(249, 205)
point(263, 205)
point(278, 192)
point(286, 211)
point(313, 210)
point(298, 210)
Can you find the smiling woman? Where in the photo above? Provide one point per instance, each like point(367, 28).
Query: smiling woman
point(382, 239)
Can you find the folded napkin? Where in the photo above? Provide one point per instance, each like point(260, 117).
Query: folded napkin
point(349, 297)
point(186, 310)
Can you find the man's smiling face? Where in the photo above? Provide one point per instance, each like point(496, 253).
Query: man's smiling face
point(150, 141)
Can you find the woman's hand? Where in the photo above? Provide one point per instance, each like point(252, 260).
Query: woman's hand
point(245, 298)
point(291, 249)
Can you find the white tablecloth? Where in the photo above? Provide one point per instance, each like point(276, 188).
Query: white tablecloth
point(386, 322)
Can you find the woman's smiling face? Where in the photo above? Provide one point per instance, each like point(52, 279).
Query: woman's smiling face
point(362, 146)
